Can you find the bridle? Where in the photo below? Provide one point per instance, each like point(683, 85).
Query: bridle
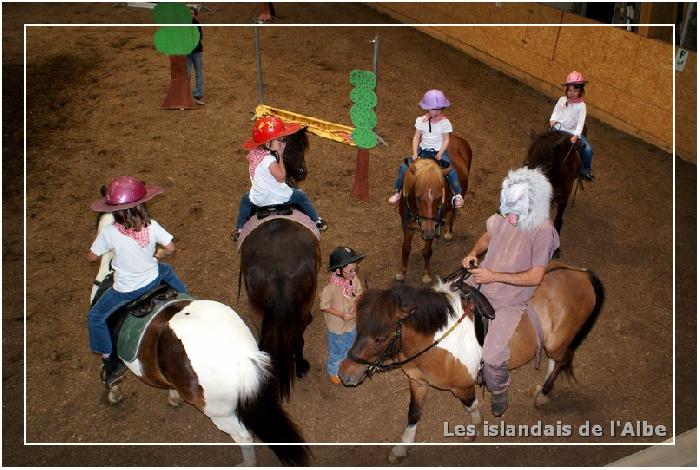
point(418, 218)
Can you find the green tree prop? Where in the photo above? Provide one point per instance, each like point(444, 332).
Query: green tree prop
point(364, 118)
point(176, 42)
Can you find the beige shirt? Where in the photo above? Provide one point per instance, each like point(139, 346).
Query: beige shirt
point(332, 296)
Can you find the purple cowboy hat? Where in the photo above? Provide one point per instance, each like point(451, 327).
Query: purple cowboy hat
point(123, 193)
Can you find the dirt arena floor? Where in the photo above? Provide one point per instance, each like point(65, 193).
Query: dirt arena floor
point(93, 113)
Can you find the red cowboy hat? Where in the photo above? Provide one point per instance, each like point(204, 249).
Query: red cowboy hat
point(123, 193)
point(268, 128)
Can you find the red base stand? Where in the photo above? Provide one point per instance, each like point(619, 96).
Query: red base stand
point(267, 13)
point(360, 188)
point(180, 94)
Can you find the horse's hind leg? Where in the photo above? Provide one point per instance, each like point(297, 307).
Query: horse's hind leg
point(419, 390)
point(554, 367)
point(468, 398)
point(233, 427)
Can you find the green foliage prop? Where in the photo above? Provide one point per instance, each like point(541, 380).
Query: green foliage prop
point(174, 40)
point(362, 113)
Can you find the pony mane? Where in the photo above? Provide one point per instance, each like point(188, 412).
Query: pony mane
point(428, 175)
point(296, 146)
point(546, 149)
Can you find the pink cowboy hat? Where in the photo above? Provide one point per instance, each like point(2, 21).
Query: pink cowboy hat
point(123, 193)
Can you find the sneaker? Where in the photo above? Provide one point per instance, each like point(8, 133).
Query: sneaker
point(335, 380)
point(198, 100)
point(394, 200)
point(588, 176)
point(321, 225)
point(235, 234)
point(113, 371)
point(458, 201)
point(499, 403)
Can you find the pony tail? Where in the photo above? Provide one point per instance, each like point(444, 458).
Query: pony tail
point(263, 415)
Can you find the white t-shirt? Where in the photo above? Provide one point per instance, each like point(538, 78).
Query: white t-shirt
point(432, 139)
point(571, 118)
point(266, 190)
point(134, 266)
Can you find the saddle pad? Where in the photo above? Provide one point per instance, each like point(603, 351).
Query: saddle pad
point(296, 216)
point(133, 328)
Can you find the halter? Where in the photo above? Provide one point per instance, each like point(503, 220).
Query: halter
point(418, 218)
point(395, 345)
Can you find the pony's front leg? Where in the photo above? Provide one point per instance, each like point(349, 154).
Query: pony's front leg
point(447, 235)
point(468, 398)
point(405, 253)
point(231, 426)
point(302, 366)
point(114, 394)
point(427, 254)
point(174, 398)
point(419, 390)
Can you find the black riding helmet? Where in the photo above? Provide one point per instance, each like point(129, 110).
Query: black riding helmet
point(342, 256)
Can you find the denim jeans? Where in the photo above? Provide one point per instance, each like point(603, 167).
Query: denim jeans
point(298, 197)
point(586, 155)
point(452, 177)
point(338, 347)
point(196, 60)
point(111, 300)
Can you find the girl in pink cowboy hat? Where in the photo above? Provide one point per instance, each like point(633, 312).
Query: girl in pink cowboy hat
point(268, 174)
point(132, 239)
point(569, 115)
point(430, 140)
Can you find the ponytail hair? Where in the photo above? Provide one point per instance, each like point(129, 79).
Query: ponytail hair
point(133, 218)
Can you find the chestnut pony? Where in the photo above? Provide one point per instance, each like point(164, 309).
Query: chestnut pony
point(427, 200)
point(202, 352)
point(279, 263)
point(427, 333)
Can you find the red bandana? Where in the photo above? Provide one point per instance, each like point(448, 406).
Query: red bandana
point(346, 284)
point(573, 100)
point(141, 237)
point(254, 157)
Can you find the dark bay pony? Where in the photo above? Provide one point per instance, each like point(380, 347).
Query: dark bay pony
point(427, 202)
point(560, 161)
point(427, 333)
point(203, 353)
point(279, 263)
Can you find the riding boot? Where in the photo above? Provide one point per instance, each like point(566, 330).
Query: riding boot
point(113, 370)
point(499, 403)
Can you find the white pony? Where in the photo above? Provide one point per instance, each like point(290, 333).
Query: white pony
point(203, 353)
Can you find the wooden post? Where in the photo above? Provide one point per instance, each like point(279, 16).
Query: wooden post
point(180, 94)
point(656, 13)
point(360, 187)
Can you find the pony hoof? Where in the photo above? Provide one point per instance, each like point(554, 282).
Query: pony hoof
point(426, 279)
point(540, 398)
point(400, 277)
point(447, 236)
point(174, 398)
point(114, 395)
point(395, 459)
point(303, 367)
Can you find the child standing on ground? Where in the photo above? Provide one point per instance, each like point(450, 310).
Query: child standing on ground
point(569, 115)
point(132, 239)
point(430, 140)
point(338, 306)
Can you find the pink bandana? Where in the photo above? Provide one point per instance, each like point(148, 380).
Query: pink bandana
point(573, 100)
point(346, 284)
point(141, 237)
point(426, 118)
point(254, 157)
point(512, 218)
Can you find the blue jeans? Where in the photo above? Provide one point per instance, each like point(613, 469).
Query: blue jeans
point(452, 177)
point(111, 300)
point(586, 155)
point(196, 60)
point(298, 197)
point(338, 347)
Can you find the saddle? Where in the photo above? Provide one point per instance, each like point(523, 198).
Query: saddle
point(483, 310)
point(262, 212)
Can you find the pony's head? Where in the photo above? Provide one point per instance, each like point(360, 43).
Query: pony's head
point(426, 195)
point(381, 316)
point(294, 161)
point(547, 149)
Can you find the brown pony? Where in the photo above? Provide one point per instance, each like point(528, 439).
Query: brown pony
point(427, 333)
point(427, 201)
point(560, 161)
point(279, 263)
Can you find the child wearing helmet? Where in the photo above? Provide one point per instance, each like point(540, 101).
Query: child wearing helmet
point(132, 239)
point(338, 306)
point(430, 140)
point(268, 174)
point(569, 115)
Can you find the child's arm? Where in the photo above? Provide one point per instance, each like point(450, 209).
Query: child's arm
point(92, 257)
point(278, 171)
point(416, 140)
point(165, 251)
point(342, 315)
point(443, 147)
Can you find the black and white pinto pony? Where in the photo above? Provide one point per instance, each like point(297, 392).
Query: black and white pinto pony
point(204, 354)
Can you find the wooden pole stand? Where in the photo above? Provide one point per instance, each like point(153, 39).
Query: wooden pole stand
point(179, 94)
point(360, 187)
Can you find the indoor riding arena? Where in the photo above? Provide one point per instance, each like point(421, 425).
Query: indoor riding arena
point(93, 112)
